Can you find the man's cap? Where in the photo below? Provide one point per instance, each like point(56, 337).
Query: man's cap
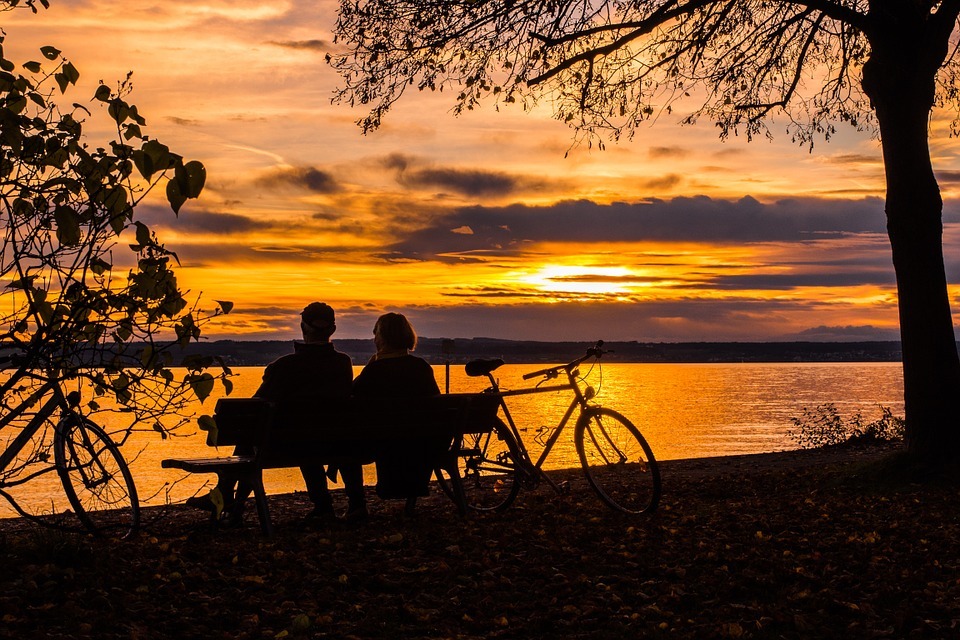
point(318, 315)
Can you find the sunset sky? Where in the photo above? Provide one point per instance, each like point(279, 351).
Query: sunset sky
point(478, 225)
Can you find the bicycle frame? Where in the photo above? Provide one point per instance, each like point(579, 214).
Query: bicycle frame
point(579, 402)
point(44, 413)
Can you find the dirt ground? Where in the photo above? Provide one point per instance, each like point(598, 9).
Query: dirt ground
point(810, 544)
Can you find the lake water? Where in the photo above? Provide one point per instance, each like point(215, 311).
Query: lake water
point(683, 410)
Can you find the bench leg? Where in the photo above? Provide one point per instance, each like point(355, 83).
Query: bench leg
point(263, 511)
point(456, 483)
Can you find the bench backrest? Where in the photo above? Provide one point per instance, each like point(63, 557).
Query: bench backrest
point(241, 421)
point(256, 422)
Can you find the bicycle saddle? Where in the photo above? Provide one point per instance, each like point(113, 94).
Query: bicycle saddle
point(476, 368)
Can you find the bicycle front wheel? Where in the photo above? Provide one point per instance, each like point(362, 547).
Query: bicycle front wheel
point(488, 464)
point(617, 461)
point(96, 478)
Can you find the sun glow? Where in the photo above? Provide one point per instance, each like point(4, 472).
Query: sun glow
point(588, 280)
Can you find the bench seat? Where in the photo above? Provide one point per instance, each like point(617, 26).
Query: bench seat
point(336, 431)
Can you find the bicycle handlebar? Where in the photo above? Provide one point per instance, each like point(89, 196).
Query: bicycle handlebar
point(552, 372)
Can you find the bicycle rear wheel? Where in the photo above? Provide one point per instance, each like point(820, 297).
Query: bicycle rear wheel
point(96, 478)
point(617, 461)
point(488, 464)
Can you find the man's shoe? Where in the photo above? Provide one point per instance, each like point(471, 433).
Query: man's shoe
point(204, 503)
point(321, 515)
point(356, 514)
point(212, 502)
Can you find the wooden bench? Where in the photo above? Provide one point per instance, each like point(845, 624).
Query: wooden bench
point(333, 432)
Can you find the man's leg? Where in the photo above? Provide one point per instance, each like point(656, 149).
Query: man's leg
point(352, 474)
point(316, 479)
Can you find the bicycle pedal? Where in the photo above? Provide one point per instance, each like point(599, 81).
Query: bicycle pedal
point(530, 481)
point(564, 487)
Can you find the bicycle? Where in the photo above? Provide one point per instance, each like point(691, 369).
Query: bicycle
point(616, 459)
point(95, 477)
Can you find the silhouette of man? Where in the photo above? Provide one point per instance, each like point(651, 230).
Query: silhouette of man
point(315, 371)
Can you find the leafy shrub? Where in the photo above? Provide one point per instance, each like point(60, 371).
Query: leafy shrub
point(824, 427)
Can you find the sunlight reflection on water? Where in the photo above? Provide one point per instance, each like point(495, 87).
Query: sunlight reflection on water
point(683, 410)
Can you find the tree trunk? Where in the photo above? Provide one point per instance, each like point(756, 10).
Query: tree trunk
point(899, 79)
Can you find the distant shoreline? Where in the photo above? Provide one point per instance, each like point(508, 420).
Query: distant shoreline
point(259, 353)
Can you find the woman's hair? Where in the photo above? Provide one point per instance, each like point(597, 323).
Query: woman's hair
point(396, 332)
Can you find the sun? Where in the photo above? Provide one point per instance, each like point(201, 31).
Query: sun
point(586, 280)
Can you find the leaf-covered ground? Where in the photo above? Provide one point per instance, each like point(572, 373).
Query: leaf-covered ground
point(797, 545)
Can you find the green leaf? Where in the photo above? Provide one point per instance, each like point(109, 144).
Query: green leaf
point(32, 66)
point(143, 234)
point(99, 266)
point(195, 176)
point(118, 110)
point(71, 72)
point(208, 424)
point(102, 94)
point(68, 226)
point(117, 223)
point(225, 305)
point(50, 53)
point(152, 157)
point(16, 103)
point(144, 164)
point(175, 196)
point(202, 385)
point(62, 81)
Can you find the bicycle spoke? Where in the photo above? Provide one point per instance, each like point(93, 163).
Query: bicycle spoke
point(488, 468)
point(95, 477)
point(617, 461)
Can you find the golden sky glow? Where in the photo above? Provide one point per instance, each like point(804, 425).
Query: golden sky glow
point(478, 225)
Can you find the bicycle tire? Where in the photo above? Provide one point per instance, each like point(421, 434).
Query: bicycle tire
point(617, 461)
point(96, 478)
point(488, 466)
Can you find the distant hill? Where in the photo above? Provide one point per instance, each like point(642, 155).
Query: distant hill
point(258, 353)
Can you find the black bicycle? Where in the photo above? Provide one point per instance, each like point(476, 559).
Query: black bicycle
point(616, 459)
point(95, 477)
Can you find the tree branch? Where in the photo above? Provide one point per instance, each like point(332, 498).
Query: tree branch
point(788, 94)
point(643, 28)
point(833, 10)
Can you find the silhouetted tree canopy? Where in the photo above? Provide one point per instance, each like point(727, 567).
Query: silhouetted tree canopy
point(605, 67)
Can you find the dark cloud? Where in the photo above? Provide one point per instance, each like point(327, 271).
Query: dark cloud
point(668, 152)
point(219, 223)
point(880, 277)
point(313, 45)
point(948, 177)
point(184, 122)
point(663, 183)
point(309, 178)
point(854, 158)
point(197, 221)
point(688, 219)
point(468, 182)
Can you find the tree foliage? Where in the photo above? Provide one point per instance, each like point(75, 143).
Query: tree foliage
point(607, 67)
point(89, 298)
